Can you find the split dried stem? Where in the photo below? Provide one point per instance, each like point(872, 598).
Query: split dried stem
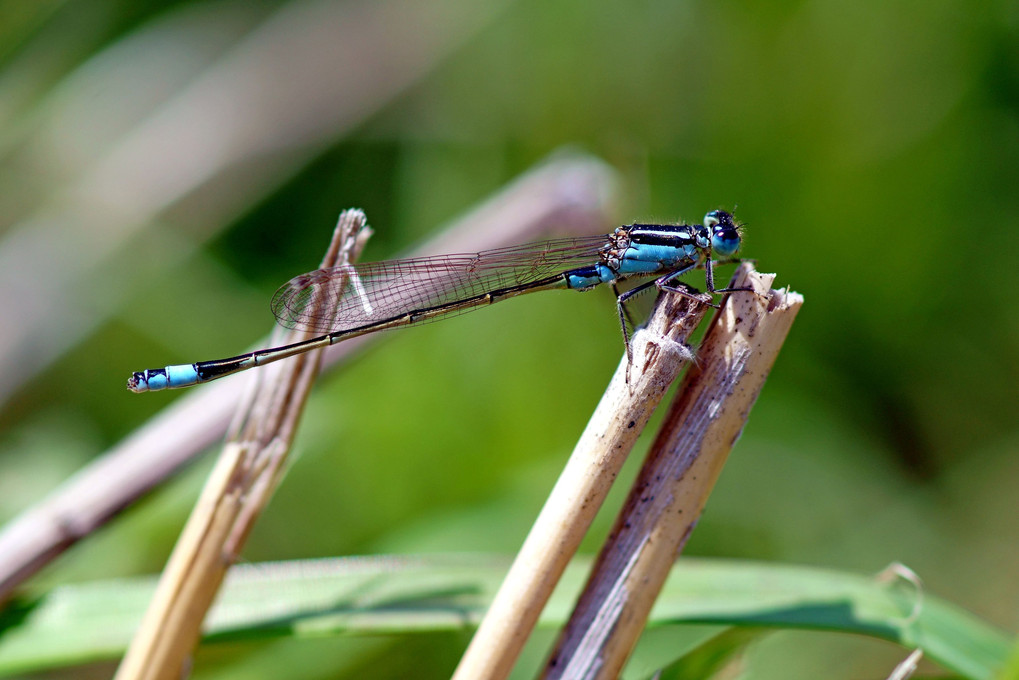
point(704, 421)
point(237, 491)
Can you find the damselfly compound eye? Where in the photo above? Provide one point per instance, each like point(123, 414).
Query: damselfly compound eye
point(725, 242)
point(725, 239)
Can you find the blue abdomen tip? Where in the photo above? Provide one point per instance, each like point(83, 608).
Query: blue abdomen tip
point(153, 379)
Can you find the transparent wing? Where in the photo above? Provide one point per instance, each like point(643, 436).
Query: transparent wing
point(355, 295)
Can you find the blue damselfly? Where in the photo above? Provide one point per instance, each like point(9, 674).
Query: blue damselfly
point(353, 300)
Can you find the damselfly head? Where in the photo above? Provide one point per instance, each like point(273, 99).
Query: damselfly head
point(725, 238)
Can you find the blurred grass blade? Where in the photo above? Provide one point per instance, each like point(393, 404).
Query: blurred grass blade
point(260, 105)
point(394, 595)
point(709, 659)
point(1011, 668)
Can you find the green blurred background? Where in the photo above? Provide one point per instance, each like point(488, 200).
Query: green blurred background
point(165, 166)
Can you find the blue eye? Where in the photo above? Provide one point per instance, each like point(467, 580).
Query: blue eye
point(725, 242)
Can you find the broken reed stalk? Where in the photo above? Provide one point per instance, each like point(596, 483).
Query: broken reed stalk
point(237, 490)
point(570, 192)
point(659, 353)
point(704, 421)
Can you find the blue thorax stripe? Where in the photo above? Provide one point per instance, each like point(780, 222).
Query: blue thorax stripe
point(660, 235)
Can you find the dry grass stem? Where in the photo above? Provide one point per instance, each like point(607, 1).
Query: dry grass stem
point(659, 353)
point(574, 194)
point(237, 490)
point(704, 422)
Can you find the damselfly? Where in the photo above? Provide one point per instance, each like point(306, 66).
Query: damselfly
point(351, 300)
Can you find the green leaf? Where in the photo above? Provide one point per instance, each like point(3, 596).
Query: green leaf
point(406, 595)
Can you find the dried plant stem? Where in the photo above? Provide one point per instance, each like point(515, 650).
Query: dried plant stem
point(234, 496)
point(704, 422)
point(658, 356)
point(574, 194)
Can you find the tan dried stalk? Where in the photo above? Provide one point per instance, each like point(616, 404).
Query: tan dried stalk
point(659, 354)
point(234, 496)
point(704, 421)
point(570, 193)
